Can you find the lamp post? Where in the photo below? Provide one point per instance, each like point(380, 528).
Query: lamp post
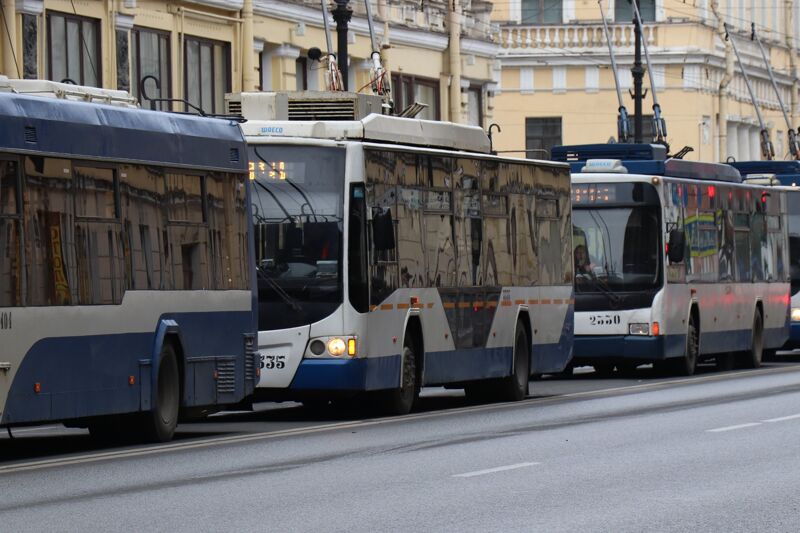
point(342, 14)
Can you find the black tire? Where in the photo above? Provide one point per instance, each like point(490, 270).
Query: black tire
point(402, 400)
point(515, 387)
point(159, 424)
point(687, 365)
point(753, 357)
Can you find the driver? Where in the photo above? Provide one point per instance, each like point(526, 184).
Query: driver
point(583, 264)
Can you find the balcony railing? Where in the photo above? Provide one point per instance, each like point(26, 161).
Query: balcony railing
point(585, 36)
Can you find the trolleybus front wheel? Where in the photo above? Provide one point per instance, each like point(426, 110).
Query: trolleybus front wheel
point(401, 401)
point(686, 365)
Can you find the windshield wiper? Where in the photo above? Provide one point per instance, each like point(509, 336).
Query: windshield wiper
point(291, 302)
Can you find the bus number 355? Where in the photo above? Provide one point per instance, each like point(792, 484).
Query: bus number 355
point(604, 320)
point(273, 361)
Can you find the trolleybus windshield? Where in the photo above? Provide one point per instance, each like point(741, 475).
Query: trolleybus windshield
point(616, 248)
point(297, 205)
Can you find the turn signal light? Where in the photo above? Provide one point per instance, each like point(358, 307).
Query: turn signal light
point(656, 329)
point(351, 347)
point(37, 388)
point(131, 380)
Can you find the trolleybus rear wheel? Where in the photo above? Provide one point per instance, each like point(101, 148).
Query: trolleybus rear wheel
point(752, 357)
point(515, 387)
point(159, 424)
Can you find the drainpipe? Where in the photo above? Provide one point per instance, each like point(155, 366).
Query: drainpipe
point(249, 81)
point(10, 67)
point(789, 18)
point(454, 51)
point(722, 106)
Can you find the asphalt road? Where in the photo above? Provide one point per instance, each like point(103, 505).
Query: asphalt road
point(715, 452)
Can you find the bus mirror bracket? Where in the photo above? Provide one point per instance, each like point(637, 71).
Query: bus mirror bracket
point(677, 243)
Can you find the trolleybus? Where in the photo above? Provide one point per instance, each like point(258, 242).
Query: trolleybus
point(125, 296)
point(676, 261)
point(787, 174)
point(394, 253)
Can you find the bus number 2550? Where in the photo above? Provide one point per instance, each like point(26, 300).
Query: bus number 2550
point(604, 320)
point(269, 362)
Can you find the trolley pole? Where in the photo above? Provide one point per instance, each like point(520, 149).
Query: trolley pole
point(342, 14)
point(637, 72)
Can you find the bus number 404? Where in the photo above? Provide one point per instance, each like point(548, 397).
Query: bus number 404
point(269, 362)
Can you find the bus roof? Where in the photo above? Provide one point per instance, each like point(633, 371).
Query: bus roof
point(34, 124)
point(646, 159)
point(378, 128)
point(787, 172)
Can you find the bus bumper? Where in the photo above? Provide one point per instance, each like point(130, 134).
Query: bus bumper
point(794, 337)
point(590, 348)
point(374, 373)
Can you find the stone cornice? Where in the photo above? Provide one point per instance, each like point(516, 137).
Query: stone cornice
point(30, 7)
point(227, 5)
point(398, 35)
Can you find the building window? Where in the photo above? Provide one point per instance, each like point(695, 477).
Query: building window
point(623, 11)
point(475, 106)
point(409, 89)
point(73, 49)
point(541, 135)
point(207, 73)
point(150, 57)
point(542, 11)
point(301, 74)
point(123, 62)
point(30, 36)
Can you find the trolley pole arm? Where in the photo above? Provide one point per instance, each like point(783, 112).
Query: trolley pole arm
point(623, 122)
point(380, 85)
point(767, 151)
point(333, 77)
point(794, 149)
point(659, 124)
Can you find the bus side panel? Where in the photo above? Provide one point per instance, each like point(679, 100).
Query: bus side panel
point(83, 376)
point(553, 326)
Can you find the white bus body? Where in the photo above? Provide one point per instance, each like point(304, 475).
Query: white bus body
point(728, 294)
point(463, 253)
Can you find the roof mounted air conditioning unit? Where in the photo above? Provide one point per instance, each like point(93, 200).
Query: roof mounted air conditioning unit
point(303, 106)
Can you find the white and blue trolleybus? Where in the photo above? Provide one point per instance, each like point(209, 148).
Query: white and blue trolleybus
point(786, 173)
point(676, 262)
point(394, 253)
point(125, 295)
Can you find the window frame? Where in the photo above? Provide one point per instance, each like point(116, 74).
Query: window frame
point(227, 51)
point(136, 70)
point(400, 79)
point(98, 70)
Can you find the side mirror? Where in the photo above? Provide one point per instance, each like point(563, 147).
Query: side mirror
point(676, 245)
point(383, 230)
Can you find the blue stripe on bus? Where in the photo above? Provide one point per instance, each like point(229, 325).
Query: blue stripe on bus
point(88, 375)
point(590, 348)
point(552, 358)
point(467, 364)
point(794, 336)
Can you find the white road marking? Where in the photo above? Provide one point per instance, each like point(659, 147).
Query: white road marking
point(496, 469)
point(731, 428)
point(782, 418)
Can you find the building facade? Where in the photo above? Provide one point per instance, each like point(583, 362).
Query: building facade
point(556, 69)
point(441, 53)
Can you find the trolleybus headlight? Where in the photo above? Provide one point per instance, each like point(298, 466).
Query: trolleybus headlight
point(795, 314)
point(336, 346)
point(317, 347)
point(639, 329)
